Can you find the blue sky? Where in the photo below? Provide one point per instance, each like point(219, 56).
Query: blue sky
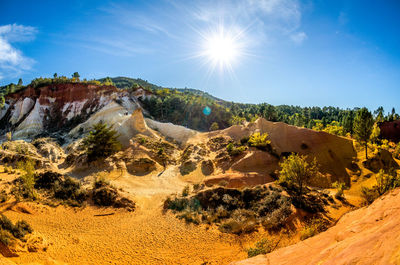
point(308, 53)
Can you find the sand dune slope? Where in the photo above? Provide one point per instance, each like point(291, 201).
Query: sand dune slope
point(370, 235)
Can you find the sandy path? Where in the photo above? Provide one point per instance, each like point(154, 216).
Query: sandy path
point(146, 236)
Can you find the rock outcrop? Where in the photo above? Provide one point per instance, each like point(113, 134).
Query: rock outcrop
point(370, 235)
point(390, 130)
point(59, 107)
point(333, 153)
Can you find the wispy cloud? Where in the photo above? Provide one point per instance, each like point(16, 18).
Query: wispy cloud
point(267, 19)
point(299, 37)
point(12, 61)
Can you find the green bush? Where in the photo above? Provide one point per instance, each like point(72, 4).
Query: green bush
point(264, 246)
point(259, 141)
point(339, 186)
point(26, 183)
point(296, 172)
point(70, 191)
point(104, 194)
point(396, 152)
point(101, 142)
point(314, 227)
point(235, 150)
point(384, 183)
point(9, 232)
point(234, 211)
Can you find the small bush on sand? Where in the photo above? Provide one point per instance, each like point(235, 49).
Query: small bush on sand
point(314, 227)
point(234, 211)
point(70, 191)
point(339, 186)
point(185, 191)
point(234, 150)
point(9, 231)
point(26, 183)
point(264, 246)
point(259, 141)
point(296, 172)
point(104, 194)
point(384, 183)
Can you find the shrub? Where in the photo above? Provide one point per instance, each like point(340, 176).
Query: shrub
point(339, 186)
point(26, 182)
point(296, 172)
point(234, 211)
point(259, 141)
point(397, 151)
point(369, 194)
point(70, 191)
point(235, 150)
point(3, 196)
point(47, 180)
point(185, 191)
point(384, 183)
point(103, 194)
point(263, 246)
point(101, 142)
point(9, 232)
point(314, 227)
point(6, 237)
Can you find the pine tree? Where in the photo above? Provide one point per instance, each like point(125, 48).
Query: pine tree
point(101, 142)
point(363, 123)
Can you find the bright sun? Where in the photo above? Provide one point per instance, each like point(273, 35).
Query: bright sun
point(221, 49)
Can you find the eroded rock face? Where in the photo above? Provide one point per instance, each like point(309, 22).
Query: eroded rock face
point(390, 130)
point(370, 235)
point(334, 154)
point(238, 179)
point(141, 166)
point(381, 160)
point(59, 107)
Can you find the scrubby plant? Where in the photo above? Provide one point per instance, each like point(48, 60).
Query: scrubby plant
point(26, 182)
point(70, 191)
point(296, 172)
point(234, 211)
point(3, 196)
point(234, 150)
point(385, 181)
point(314, 227)
point(101, 142)
point(264, 246)
point(259, 141)
point(339, 186)
point(104, 194)
point(396, 152)
point(185, 191)
point(9, 232)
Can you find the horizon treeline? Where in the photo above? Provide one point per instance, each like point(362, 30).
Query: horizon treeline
point(186, 107)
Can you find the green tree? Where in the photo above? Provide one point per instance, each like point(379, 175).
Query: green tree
point(101, 142)
point(379, 114)
point(375, 133)
point(296, 172)
point(348, 121)
point(20, 82)
point(76, 76)
point(214, 126)
point(2, 101)
point(55, 75)
point(363, 123)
